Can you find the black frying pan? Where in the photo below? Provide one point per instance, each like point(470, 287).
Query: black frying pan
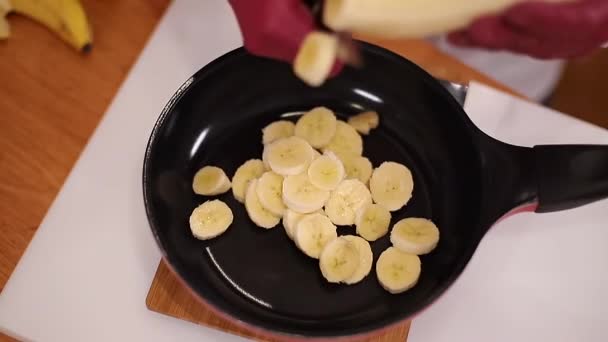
point(464, 181)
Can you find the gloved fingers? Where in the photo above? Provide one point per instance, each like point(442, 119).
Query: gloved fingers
point(460, 38)
point(570, 21)
point(275, 28)
point(336, 68)
point(532, 30)
point(492, 33)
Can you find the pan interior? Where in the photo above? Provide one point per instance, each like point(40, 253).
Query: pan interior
point(258, 275)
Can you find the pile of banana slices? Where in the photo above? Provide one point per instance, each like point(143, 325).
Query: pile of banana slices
point(312, 178)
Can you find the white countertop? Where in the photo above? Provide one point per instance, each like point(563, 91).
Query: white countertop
point(534, 277)
point(86, 273)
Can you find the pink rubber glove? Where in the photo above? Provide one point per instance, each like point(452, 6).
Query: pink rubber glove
point(541, 30)
point(275, 28)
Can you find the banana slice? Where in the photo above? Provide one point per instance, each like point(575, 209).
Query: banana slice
point(291, 219)
point(373, 222)
point(251, 169)
point(257, 213)
point(326, 172)
point(318, 126)
point(210, 181)
point(270, 192)
point(344, 202)
point(313, 232)
point(346, 141)
point(364, 122)
point(289, 156)
point(339, 260)
point(415, 235)
point(391, 185)
point(366, 259)
point(277, 130)
point(357, 167)
point(300, 195)
point(397, 271)
point(265, 159)
point(210, 219)
point(316, 57)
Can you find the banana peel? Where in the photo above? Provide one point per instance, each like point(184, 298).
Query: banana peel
point(66, 18)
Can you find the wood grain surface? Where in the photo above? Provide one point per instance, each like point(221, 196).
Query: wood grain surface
point(51, 99)
point(167, 295)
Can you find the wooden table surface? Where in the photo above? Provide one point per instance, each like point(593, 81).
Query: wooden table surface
point(52, 97)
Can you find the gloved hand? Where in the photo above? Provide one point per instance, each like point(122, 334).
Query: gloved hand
point(540, 29)
point(275, 28)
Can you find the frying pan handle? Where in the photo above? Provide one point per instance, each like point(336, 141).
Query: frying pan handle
point(570, 176)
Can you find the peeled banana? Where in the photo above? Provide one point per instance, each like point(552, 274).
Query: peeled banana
point(66, 18)
point(392, 19)
point(399, 19)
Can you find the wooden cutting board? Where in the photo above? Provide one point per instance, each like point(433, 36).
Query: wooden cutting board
point(168, 296)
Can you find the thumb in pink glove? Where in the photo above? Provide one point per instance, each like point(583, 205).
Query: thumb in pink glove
point(275, 28)
point(541, 30)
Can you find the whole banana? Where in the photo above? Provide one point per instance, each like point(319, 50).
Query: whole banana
point(66, 18)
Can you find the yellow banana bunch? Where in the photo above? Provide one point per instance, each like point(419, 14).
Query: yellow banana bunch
point(67, 18)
